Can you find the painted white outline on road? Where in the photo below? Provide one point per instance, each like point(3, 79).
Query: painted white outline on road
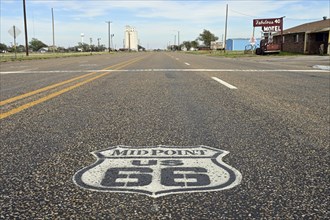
point(322, 67)
point(187, 64)
point(224, 83)
point(158, 171)
point(88, 64)
point(165, 70)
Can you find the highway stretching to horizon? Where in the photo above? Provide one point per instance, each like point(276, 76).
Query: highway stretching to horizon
point(165, 135)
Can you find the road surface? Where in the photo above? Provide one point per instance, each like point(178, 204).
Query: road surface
point(90, 137)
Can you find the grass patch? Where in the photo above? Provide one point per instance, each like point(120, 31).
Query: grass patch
point(221, 53)
point(231, 54)
point(241, 53)
point(5, 57)
point(288, 54)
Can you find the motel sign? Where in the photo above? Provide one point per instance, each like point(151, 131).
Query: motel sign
point(269, 24)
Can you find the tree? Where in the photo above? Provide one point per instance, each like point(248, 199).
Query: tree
point(101, 48)
point(187, 44)
point(20, 48)
point(3, 47)
point(194, 44)
point(36, 44)
point(61, 50)
point(83, 46)
point(207, 37)
point(190, 44)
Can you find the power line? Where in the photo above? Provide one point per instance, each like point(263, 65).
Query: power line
point(295, 19)
point(303, 19)
point(241, 13)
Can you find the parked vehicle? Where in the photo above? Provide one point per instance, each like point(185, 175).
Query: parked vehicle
point(267, 47)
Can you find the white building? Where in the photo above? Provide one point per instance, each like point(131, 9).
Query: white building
point(131, 38)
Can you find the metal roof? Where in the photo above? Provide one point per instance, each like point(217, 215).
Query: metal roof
point(312, 27)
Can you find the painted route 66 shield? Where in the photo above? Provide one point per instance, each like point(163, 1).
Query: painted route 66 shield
point(158, 170)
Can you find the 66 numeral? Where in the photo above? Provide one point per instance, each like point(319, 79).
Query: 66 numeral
point(169, 176)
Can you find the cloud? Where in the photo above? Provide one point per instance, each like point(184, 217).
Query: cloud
point(154, 20)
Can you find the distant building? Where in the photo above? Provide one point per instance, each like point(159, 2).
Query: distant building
point(239, 43)
point(306, 38)
point(216, 45)
point(43, 50)
point(203, 47)
point(131, 38)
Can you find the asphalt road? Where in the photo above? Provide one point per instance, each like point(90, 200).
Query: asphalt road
point(272, 117)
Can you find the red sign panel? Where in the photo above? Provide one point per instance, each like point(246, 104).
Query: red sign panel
point(268, 22)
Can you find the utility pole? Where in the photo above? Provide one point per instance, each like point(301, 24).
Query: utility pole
point(90, 44)
point(53, 31)
point(25, 27)
point(112, 35)
point(82, 38)
point(98, 42)
point(109, 34)
point(129, 41)
point(178, 39)
point(226, 28)
point(282, 33)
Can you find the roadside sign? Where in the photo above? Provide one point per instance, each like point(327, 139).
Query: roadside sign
point(269, 24)
point(14, 31)
point(252, 41)
point(158, 170)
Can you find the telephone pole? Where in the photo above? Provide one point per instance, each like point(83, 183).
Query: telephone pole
point(53, 31)
point(25, 27)
point(224, 43)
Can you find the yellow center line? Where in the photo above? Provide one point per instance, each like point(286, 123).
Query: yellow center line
point(13, 99)
point(55, 94)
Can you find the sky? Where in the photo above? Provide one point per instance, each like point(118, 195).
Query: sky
point(158, 23)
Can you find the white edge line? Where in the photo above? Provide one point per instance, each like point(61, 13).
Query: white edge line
point(3, 73)
point(165, 70)
point(224, 83)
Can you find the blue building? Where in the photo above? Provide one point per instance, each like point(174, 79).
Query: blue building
point(239, 43)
